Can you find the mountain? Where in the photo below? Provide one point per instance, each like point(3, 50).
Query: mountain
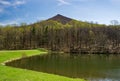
point(60, 18)
point(63, 20)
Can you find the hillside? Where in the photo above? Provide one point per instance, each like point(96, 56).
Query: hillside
point(61, 19)
point(54, 34)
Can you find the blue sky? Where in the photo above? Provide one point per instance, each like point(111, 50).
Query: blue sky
point(30, 11)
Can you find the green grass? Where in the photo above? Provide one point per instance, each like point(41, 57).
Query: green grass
point(17, 74)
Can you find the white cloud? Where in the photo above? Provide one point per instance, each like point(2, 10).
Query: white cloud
point(82, 0)
point(18, 2)
point(63, 2)
point(3, 2)
point(13, 3)
point(10, 22)
point(69, 2)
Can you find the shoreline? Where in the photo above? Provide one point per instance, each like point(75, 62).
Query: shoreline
point(30, 75)
point(7, 61)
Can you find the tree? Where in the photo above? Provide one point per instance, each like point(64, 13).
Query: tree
point(114, 22)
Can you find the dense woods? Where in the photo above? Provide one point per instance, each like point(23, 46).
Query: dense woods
point(73, 36)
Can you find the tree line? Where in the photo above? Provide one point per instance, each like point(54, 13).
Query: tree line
point(74, 37)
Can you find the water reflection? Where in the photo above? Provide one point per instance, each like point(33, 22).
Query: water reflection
point(91, 67)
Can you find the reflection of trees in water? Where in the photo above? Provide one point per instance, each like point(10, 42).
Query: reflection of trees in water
point(82, 66)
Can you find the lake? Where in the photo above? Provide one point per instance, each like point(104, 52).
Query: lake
point(91, 67)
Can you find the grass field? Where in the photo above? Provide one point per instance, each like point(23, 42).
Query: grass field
point(17, 74)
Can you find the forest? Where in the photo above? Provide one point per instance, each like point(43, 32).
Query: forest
point(62, 34)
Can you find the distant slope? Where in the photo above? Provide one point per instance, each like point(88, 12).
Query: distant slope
point(61, 19)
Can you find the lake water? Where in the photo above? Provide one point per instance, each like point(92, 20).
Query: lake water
point(90, 67)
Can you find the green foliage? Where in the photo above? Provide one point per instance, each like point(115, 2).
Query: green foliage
point(73, 36)
point(15, 74)
point(42, 49)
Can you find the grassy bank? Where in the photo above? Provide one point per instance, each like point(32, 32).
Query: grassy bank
point(17, 74)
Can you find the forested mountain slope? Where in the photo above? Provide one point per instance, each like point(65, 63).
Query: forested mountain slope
point(60, 33)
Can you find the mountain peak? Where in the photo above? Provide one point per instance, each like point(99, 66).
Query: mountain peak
point(60, 18)
point(59, 15)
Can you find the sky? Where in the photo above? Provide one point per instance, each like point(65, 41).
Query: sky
point(30, 11)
